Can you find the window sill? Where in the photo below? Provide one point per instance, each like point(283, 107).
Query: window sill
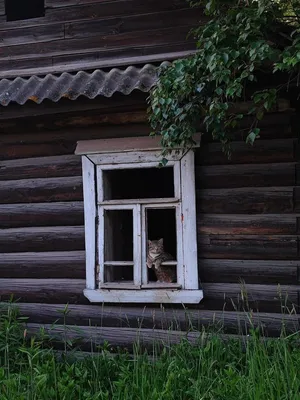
point(162, 296)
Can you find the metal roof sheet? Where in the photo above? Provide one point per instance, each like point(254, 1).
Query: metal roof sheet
point(71, 86)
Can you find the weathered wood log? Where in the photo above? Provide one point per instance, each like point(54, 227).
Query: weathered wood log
point(41, 167)
point(157, 318)
point(8, 151)
point(60, 264)
point(41, 214)
point(39, 239)
point(44, 290)
point(263, 151)
point(240, 224)
point(251, 247)
point(250, 271)
point(246, 200)
point(251, 175)
point(41, 190)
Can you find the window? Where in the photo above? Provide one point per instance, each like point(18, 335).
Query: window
point(24, 9)
point(129, 201)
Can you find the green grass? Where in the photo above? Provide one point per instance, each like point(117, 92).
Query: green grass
point(248, 369)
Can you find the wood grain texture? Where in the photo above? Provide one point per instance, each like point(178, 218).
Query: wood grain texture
point(63, 238)
point(250, 271)
point(41, 214)
point(57, 291)
point(157, 318)
point(40, 167)
point(52, 264)
point(246, 175)
point(251, 247)
point(41, 190)
point(246, 200)
point(239, 224)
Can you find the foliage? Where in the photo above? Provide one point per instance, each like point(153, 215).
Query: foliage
point(235, 370)
point(241, 40)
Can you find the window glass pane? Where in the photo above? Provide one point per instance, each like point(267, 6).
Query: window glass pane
point(118, 235)
point(161, 232)
point(138, 183)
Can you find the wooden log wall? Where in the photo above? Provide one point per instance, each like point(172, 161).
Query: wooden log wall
point(83, 34)
point(248, 213)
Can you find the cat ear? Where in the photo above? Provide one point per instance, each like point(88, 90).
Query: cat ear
point(161, 241)
point(149, 242)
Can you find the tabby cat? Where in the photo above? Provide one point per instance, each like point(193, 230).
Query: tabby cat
point(157, 255)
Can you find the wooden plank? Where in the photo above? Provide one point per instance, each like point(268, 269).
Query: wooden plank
point(240, 293)
point(8, 152)
point(133, 23)
point(235, 224)
point(60, 264)
point(89, 189)
point(34, 34)
point(158, 318)
point(85, 45)
point(42, 239)
point(95, 59)
point(40, 167)
point(251, 271)
point(41, 190)
point(246, 200)
point(41, 214)
point(44, 290)
point(263, 151)
point(251, 247)
point(231, 176)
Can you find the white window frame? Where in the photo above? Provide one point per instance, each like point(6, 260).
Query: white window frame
point(186, 290)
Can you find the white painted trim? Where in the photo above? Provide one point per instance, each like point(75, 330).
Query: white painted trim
point(132, 157)
point(162, 296)
point(189, 225)
point(101, 245)
point(144, 237)
point(179, 239)
point(134, 166)
point(137, 245)
point(177, 180)
point(89, 195)
point(158, 200)
point(100, 188)
point(119, 263)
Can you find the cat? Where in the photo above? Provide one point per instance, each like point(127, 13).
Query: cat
point(157, 255)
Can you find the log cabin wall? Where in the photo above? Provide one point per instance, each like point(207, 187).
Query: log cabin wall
point(89, 34)
point(248, 213)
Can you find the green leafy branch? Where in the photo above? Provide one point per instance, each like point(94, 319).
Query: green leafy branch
point(232, 49)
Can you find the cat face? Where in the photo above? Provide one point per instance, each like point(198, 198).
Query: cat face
point(156, 246)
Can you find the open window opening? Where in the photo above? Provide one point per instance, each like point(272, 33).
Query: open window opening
point(24, 9)
point(118, 246)
point(161, 225)
point(138, 183)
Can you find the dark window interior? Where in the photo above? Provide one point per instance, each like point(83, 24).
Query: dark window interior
point(161, 223)
point(24, 9)
point(118, 235)
point(118, 273)
point(139, 183)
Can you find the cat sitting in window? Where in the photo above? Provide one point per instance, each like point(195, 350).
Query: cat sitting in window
point(156, 256)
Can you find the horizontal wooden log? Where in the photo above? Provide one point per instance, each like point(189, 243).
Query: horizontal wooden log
point(41, 214)
point(251, 175)
point(9, 152)
point(85, 45)
point(250, 271)
point(252, 247)
point(91, 336)
point(33, 34)
point(41, 190)
point(251, 296)
point(157, 318)
point(134, 23)
point(38, 239)
point(239, 224)
point(246, 200)
point(53, 264)
point(41, 167)
point(263, 151)
point(43, 290)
